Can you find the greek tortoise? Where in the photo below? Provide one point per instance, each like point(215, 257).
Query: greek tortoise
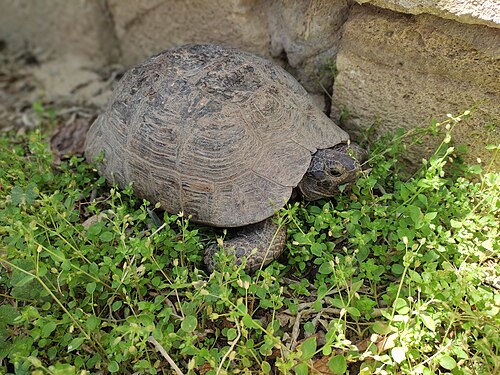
point(224, 136)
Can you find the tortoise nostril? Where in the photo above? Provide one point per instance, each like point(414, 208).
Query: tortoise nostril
point(318, 175)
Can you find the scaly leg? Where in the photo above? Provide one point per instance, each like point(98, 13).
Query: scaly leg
point(259, 243)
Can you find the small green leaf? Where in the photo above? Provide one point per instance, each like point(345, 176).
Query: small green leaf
point(35, 361)
point(231, 334)
point(66, 265)
point(301, 369)
point(326, 350)
point(42, 270)
point(422, 198)
point(493, 311)
point(405, 192)
point(189, 323)
point(308, 348)
point(91, 287)
point(398, 354)
point(428, 322)
point(17, 195)
point(8, 314)
point(249, 322)
point(317, 248)
point(93, 322)
point(429, 216)
point(487, 244)
point(415, 215)
point(94, 229)
point(353, 311)
point(24, 280)
point(337, 364)
point(460, 353)
point(31, 193)
point(325, 268)
point(116, 305)
point(380, 327)
point(355, 286)
point(401, 306)
point(106, 236)
point(64, 368)
point(302, 239)
point(363, 253)
point(397, 269)
point(455, 224)
point(48, 328)
point(57, 255)
point(309, 328)
point(317, 305)
point(337, 302)
point(75, 343)
point(447, 362)
point(266, 367)
point(242, 308)
point(415, 276)
point(475, 169)
point(113, 366)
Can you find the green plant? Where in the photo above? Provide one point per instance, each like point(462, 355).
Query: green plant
point(398, 275)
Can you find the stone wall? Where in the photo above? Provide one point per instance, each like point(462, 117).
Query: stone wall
point(59, 27)
point(145, 27)
point(396, 63)
point(400, 70)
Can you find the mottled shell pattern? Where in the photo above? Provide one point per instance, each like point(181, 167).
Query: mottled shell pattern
point(214, 132)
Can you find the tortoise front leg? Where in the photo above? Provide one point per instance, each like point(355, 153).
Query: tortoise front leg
point(259, 243)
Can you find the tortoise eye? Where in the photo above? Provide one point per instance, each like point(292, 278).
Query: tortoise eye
point(335, 172)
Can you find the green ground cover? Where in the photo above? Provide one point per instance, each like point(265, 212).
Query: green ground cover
point(400, 275)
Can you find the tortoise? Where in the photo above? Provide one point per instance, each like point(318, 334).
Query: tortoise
point(224, 136)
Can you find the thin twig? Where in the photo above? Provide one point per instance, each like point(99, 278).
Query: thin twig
point(165, 355)
point(295, 331)
point(231, 348)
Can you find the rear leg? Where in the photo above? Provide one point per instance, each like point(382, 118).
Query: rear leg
point(259, 243)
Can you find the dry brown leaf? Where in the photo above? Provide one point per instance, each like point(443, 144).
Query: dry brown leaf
point(320, 366)
point(387, 342)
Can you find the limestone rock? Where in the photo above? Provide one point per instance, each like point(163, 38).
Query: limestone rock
point(486, 12)
point(71, 77)
point(401, 70)
point(69, 42)
point(306, 35)
point(59, 27)
point(146, 27)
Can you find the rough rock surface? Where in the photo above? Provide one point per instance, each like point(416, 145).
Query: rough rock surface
point(402, 70)
point(68, 43)
point(146, 27)
point(306, 34)
point(60, 27)
point(486, 12)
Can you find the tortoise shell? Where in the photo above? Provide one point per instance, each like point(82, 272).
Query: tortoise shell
point(215, 132)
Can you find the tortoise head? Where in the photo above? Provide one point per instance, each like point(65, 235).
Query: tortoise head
point(330, 169)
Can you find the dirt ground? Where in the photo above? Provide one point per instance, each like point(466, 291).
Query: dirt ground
point(65, 93)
